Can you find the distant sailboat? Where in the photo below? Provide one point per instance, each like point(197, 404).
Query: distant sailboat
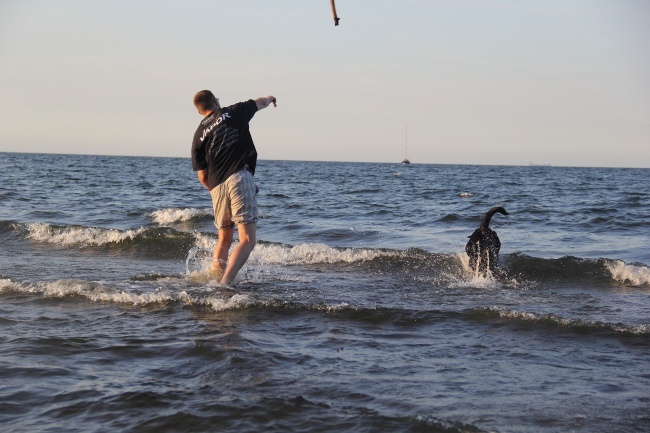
point(406, 145)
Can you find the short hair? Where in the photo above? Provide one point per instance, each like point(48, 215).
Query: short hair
point(204, 100)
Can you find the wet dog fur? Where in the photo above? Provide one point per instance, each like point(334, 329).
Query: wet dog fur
point(484, 245)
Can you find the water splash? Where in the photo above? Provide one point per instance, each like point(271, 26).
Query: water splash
point(629, 274)
point(85, 236)
point(170, 216)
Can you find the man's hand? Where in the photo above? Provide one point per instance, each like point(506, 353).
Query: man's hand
point(264, 102)
point(203, 178)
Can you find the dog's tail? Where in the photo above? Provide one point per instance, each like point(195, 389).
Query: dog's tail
point(485, 223)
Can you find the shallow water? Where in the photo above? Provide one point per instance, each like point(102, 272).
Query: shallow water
point(356, 311)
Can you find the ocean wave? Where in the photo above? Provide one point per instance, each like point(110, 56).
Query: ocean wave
point(452, 270)
point(94, 236)
point(570, 269)
point(450, 218)
point(219, 298)
point(78, 235)
point(167, 242)
point(629, 274)
point(312, 253)
point(170, 290)
point(479, 314)
point(578, 325)
point(154, 242)
point(170, 216)
point(199, 257)
point(93, 291)
point(264, 253)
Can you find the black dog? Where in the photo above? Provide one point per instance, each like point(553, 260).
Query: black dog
point(484, 245)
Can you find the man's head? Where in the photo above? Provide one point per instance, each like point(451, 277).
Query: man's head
point(205, 102)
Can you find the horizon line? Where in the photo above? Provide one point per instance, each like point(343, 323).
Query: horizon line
point(529, 164)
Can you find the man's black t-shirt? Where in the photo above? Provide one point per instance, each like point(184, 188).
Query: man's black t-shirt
point(223, 144)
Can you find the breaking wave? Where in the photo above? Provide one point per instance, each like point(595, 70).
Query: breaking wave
point(169, 242)
point(79, 236)
point(629, 274)
point(154, 242)
point(199, 257)
point(221, 298)
point(217, 297)
point(552, 320)
point(313, 253)
point(169, 216)
point(576, 270)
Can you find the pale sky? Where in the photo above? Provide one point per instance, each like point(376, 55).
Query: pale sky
point(565, 82)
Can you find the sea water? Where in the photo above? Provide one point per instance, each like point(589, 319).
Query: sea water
point(355, 312)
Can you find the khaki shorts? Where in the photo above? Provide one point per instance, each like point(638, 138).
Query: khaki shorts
point(235, 201)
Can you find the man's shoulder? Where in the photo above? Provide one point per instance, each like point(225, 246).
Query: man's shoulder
point(249, 107)
point(243, 104)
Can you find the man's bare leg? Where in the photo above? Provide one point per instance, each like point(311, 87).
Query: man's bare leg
point(247, 239)
point(220, 256)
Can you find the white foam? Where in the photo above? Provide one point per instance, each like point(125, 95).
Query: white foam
point(96, 292)
point(204, 242)
point(85, 236)
point(530, 317)
point(141, 299)
point(6, 285)
point(234, 302)
point(629, 274)
point(268, 254)
point(534, 317)
point(476, 280)
point(169, 216)
point(311, 253)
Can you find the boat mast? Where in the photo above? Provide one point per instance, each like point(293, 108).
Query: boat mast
point(406, 143)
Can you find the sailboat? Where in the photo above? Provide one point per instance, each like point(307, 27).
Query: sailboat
point(406, 146)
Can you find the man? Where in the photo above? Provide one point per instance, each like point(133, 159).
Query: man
point(224, 157)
